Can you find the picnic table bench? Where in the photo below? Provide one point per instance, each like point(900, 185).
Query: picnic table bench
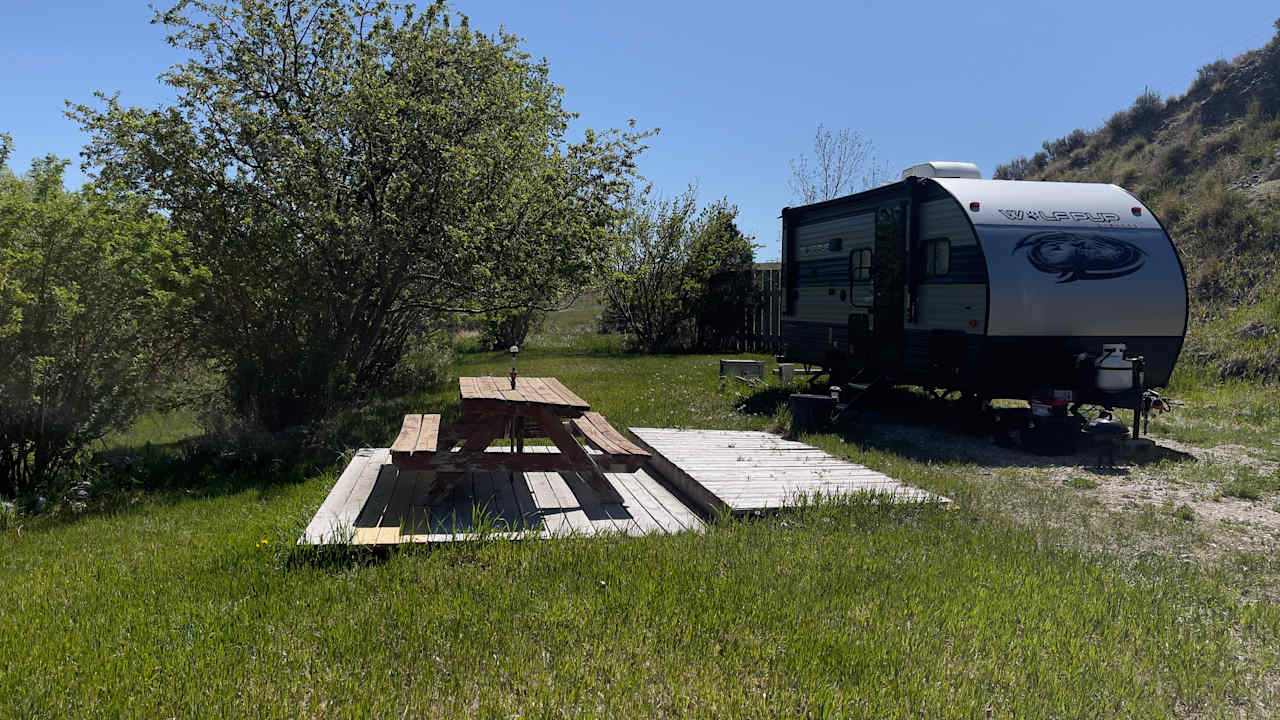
point(492, 409)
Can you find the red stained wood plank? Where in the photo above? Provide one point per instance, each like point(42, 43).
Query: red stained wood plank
point(568, 395)
point(616, 437)
point(543, 391)
point(407, 440)
point(606, 437)
point(429, 436)
point(594, 436)
point(537, 390)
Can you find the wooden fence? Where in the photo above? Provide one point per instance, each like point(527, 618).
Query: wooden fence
point(764, 322)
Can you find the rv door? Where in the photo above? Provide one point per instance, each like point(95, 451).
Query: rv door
point(888, 278)
point(861, 295)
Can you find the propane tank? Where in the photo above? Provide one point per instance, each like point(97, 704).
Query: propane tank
point(1114, 372)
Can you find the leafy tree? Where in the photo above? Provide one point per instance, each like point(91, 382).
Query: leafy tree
point(842, 163)
point(680, 275)
point(721, 268)
point(89, 288)
point(344, 169)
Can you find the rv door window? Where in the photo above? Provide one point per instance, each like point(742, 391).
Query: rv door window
point(937, 257)
point(860, 265)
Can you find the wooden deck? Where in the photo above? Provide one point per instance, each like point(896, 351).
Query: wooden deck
point(743, 472)
point(374, 503)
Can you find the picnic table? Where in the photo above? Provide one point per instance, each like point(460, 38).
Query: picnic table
point(496, 408)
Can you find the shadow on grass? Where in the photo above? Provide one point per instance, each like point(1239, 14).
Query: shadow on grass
point(765, 401)
point(924, 428)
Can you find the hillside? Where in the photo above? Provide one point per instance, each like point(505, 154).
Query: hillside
point(1208, 163)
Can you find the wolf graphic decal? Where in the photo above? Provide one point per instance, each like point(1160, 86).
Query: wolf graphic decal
point(1081, 256)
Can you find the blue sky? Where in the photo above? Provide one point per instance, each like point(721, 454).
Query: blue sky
point(737, 88)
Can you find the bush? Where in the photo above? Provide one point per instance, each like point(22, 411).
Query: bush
point(681, 277)
point(1174, 160)
point(90, 289)
point(425, 363)
point(1064, 146)
point(1209, 75)
point(1147, 109)
point(1118, 125)
point(1018, 168)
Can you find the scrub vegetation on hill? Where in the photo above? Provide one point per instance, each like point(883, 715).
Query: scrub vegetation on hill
point(1207, 162)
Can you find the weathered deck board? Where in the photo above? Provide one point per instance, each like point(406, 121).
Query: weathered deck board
point(374, 503)
point(742, 472)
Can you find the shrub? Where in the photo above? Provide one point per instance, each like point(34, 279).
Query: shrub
point(1118, 125)
point(1145, 113)
point(1209, 75)
point(425, 363)
point(1018, 168)
point(1064, 146)
point(90, 290)
point(1174, 160)
point(680, 276)
point(1133, 147)
point(1220, 143)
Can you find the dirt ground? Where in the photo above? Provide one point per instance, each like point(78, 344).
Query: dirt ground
point(1173, 475)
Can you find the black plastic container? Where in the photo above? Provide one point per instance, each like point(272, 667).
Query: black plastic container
point(810, 412)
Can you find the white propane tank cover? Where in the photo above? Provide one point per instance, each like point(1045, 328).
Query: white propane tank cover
point(943, 169)
point(1115, 373)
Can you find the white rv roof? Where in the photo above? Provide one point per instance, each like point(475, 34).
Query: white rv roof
point(941, 169)
point(1058, 204)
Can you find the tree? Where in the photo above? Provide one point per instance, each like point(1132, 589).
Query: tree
point(842, 163)
point(721, 270)
point(344, 170)
point(90, 286)
point(680, 275)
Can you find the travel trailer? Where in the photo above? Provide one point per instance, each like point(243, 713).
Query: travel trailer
point(997, 288)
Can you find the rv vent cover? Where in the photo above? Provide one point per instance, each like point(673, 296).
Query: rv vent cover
point(942, 170)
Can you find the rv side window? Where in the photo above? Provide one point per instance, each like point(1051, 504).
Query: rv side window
point(860, 265)
point(835, 244)
point(937, 257)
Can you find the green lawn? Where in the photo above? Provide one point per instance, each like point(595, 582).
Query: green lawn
point(167, 603)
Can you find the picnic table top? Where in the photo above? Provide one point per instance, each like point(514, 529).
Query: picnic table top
point(529, 390)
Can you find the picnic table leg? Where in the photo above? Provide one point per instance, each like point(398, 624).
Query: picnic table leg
point(491, 429)
point(577, 458)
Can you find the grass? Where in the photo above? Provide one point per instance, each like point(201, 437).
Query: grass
point(1081, 483)
point(841, 609)
point(1249, 484)
point(1222, 412)
point(171, 604)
